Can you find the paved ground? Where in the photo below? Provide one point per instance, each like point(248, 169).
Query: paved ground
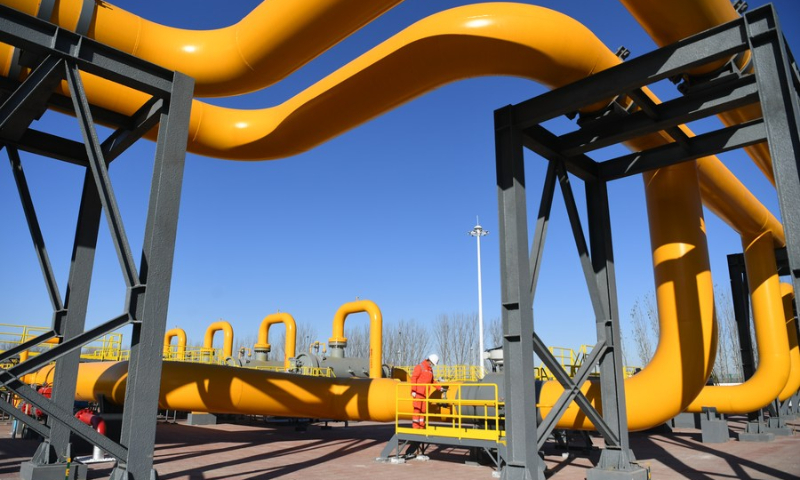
point(267, 451)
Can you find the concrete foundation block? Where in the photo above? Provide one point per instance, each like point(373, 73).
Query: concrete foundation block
point(636, 473)
point(56, 471)
point(756, 437)
point(685, 420)
point(714, 430)
point(201, 419)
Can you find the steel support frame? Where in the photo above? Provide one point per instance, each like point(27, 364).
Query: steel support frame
point(54, 55)
point(775, 85)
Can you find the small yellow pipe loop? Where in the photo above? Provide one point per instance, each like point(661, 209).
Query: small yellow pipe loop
point(227, 329)
point(180, 334)
point(291, 334)
point(375, 331)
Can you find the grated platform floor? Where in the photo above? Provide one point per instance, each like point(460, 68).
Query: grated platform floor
point(259, 450)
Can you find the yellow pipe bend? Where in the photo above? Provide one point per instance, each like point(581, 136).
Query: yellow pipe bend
point(375, 331)
point(291, 335)
point(276, 38)
point(772, 373)
point(180, 334)
point(227, 330)
point(793, 384)
point(668, 22)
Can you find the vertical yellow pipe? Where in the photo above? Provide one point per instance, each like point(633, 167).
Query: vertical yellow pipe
point(793, 384)
point(180, 334)
point(375, 331)
point(225, 327)
point(770, 328)
point(291, 335)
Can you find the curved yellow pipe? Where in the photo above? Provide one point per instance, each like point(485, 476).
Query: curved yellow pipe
point(668, 22)
point(272, 41)
point(227, 329)
point(180, 334)
point(375, 332)
point(772, 373)
point(793, 384)
point(291, 335)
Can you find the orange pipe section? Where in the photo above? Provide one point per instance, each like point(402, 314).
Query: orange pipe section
point(793, 384)
point(227, 346)
point(668, 22)
point(770, 327)
point(291, 335)
point(271, 42)
point(220, 389)
point(180, 334)
point(375, 331)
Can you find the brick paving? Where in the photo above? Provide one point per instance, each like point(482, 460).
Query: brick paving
point(258, 450)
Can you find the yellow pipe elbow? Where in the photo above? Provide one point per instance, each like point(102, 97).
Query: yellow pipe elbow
point(770, 327)
point(793, 384)
point(375, 331)
point(291, 334)
point(180, 334)
point(227, 329)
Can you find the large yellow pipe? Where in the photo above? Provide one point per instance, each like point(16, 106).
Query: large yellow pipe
point(772, 373)
point(375, 332)
point(668, 22)
point(271, 42)
point(227, 331)
point(793, 384)
point(291, 335)
point(221, 389)
point(180, 334)
point(512, 39)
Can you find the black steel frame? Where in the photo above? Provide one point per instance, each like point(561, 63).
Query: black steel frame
point(518, 127)
point(55, 55)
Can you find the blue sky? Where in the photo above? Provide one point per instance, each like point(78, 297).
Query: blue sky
point(381, 212)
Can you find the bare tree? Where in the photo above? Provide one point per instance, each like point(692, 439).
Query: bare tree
point(405, 343)
point(358, 340)
point(496, 332)
point(641, 332)
point(306, 335)
point(457, 339)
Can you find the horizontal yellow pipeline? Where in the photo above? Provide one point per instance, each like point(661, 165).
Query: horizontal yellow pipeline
point(772, 373)
point(291, 335)
point(220, 389)
point(793, 384)
point(668, 22)
point(271, 42)
point(375, 332)
point(227, 342)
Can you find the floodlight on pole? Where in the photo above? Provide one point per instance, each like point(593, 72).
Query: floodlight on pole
point(479, 232)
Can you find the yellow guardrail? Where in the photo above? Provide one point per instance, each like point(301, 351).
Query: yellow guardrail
point(453, 417)
point(450, 373)
point(108, 347)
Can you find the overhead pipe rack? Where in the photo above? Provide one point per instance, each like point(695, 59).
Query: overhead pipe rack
point(518, 127)
point(54, 55)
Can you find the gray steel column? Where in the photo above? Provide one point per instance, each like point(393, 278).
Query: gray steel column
point(779, 104)
point(76, 302)
point(149, 306)
point(615, 458)
point(522, 460)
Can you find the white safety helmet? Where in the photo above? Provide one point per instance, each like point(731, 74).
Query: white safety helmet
point(434, 358)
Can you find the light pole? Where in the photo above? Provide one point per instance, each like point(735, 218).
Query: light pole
point(479, 232)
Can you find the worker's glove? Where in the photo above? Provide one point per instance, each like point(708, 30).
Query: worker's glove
point(413, 394)
point(444, 394)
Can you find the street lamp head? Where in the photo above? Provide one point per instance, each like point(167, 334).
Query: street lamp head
point(478, 231)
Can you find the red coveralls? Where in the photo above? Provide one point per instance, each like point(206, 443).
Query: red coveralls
point(423, 374)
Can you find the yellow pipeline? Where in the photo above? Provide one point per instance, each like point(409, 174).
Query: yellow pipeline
point(291, 335)
point(668, 22)
point(221, 389)
point(227, 346)
point(793, 384)
point(770, 327)
point(375, 331)
point(180, 334)
point(271, 42)
point(475, 40)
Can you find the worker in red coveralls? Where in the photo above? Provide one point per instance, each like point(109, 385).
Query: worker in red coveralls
point(423, 383)
point(420, 379)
